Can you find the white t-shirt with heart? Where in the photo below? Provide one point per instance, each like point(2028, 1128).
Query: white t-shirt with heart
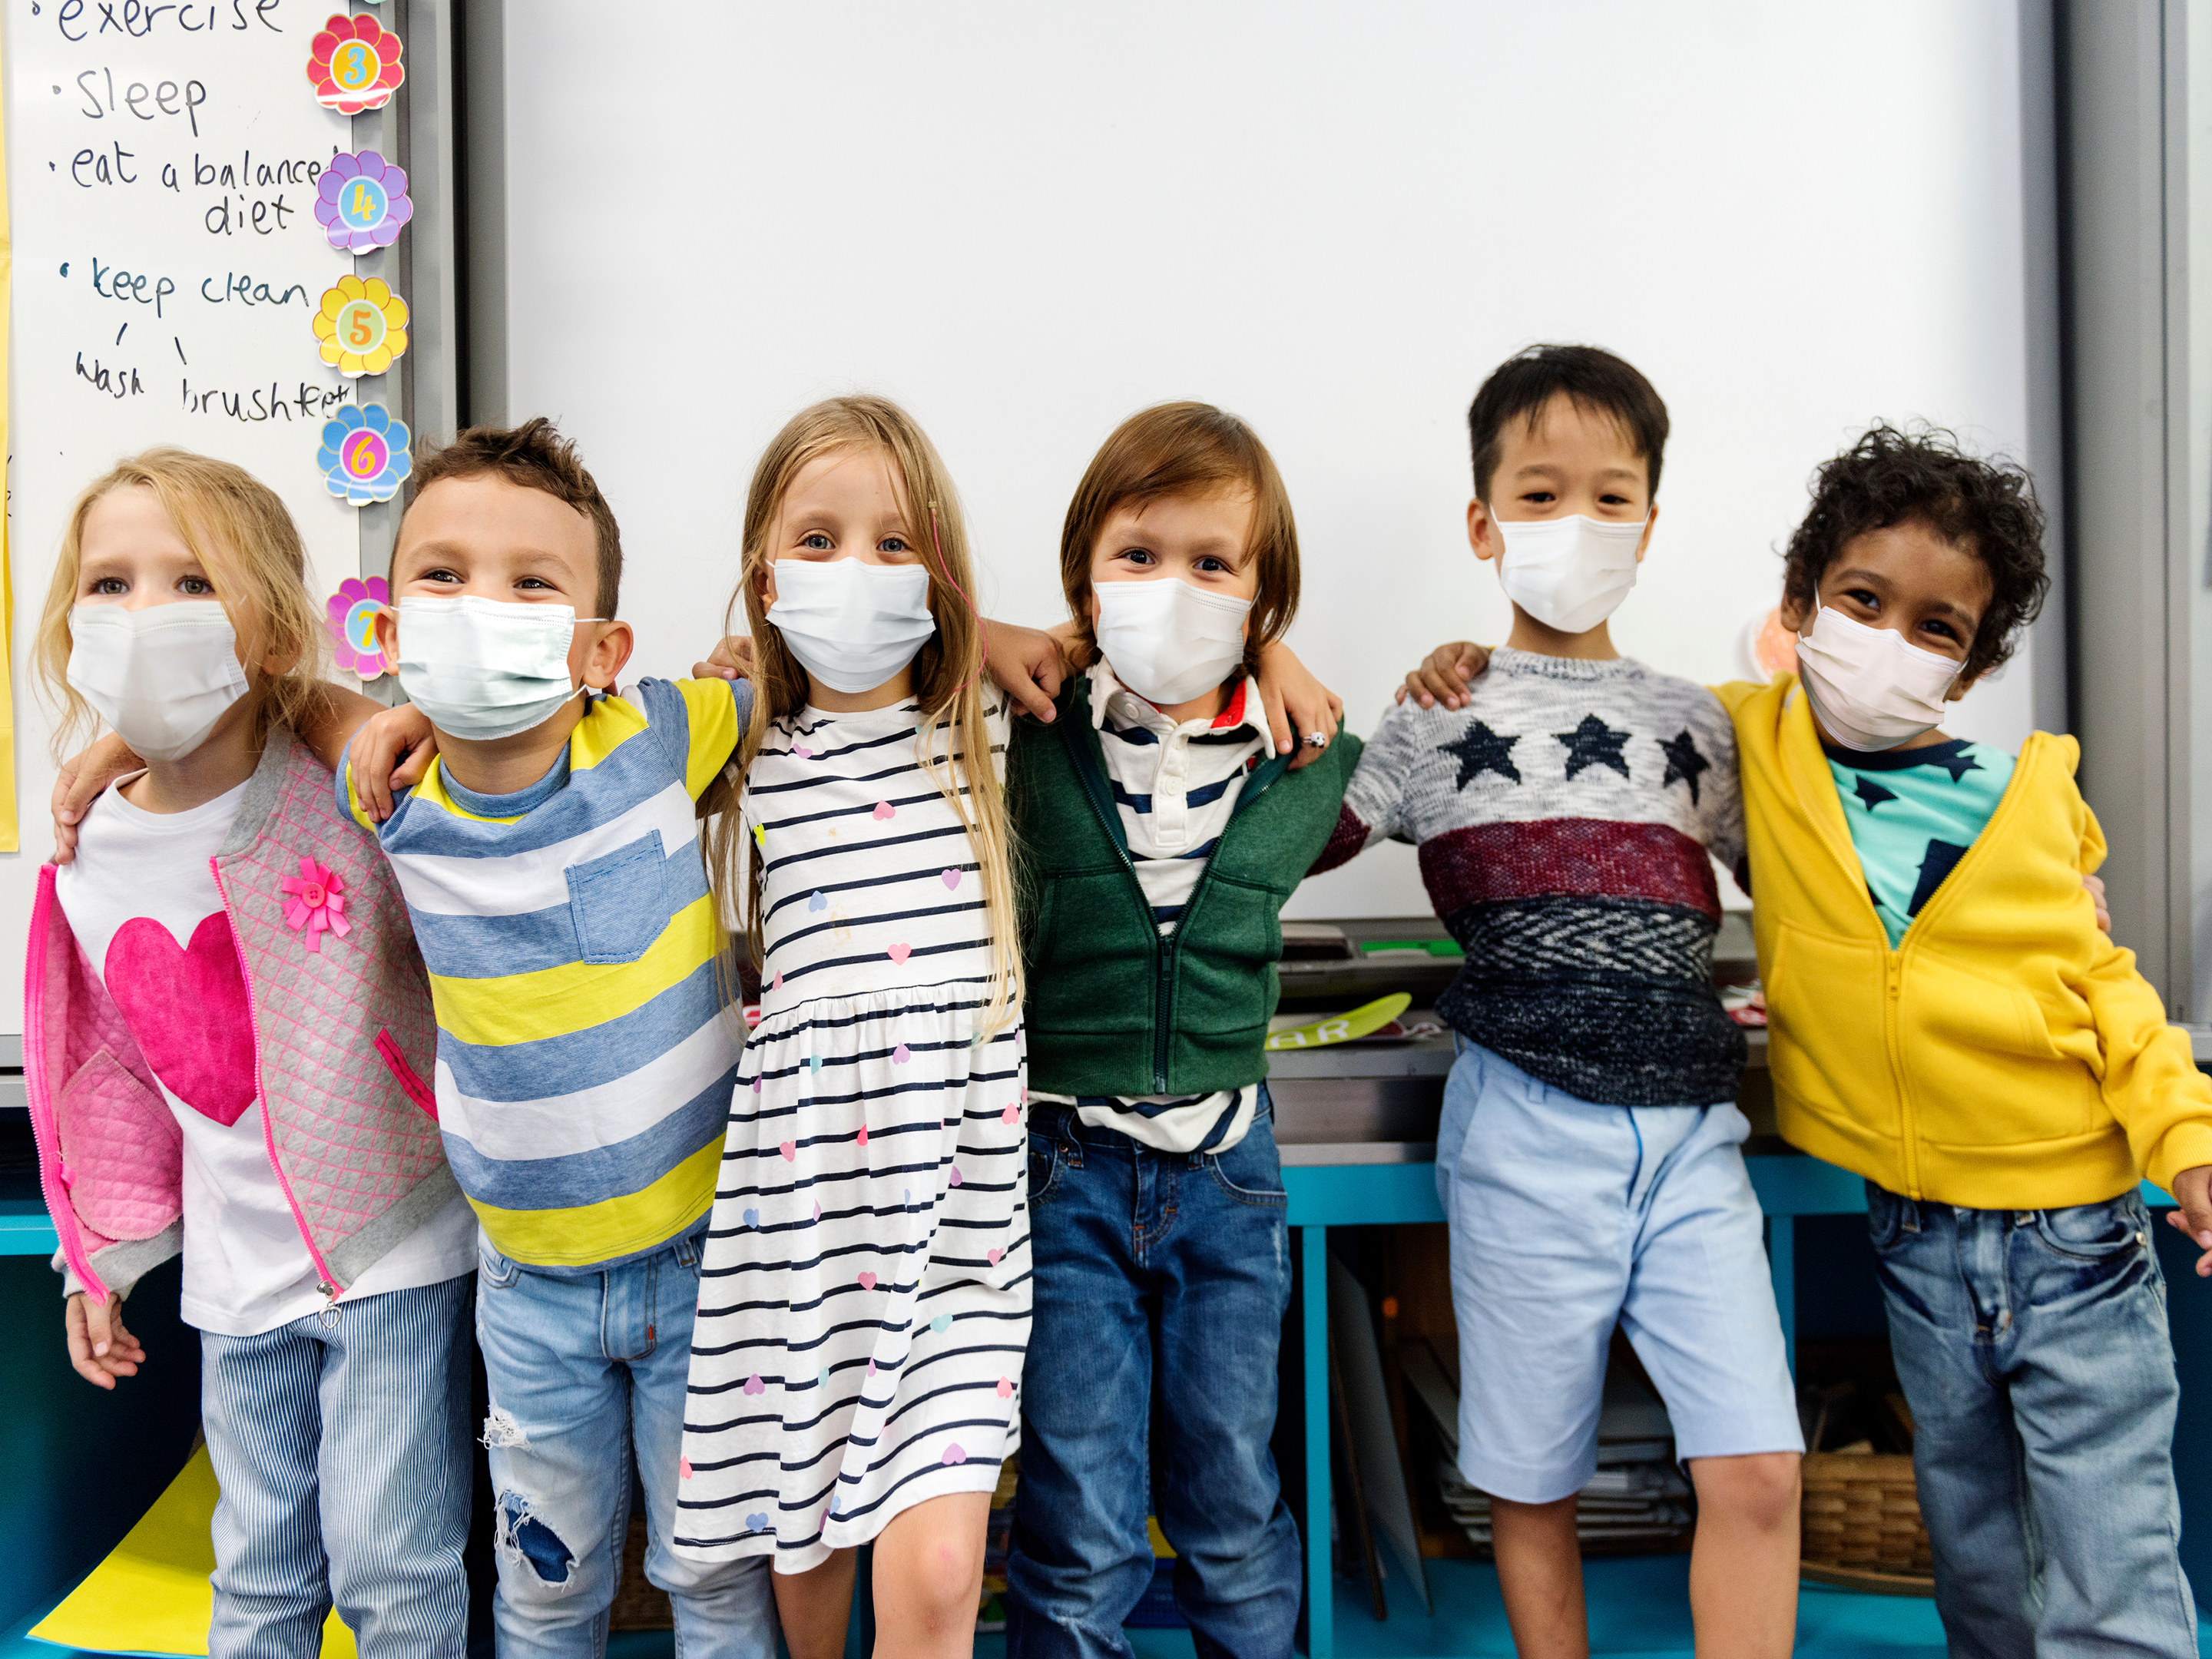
point(142, 900)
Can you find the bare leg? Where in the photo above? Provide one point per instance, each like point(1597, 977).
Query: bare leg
point(1539, 1573)
point(1743, 1566)
point(815, 1605)
point(929, 1578)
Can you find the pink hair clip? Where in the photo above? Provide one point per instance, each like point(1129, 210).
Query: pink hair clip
point(317, 903)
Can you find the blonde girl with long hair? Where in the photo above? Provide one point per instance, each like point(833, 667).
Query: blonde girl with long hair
point(864, 1288)
point(227, 1022)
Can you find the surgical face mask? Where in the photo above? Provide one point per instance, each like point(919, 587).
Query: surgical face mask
point(161, 676)
point(1568, 574)
point(1868, 688)
point(852, 624)
point(1167, 640)
point(482, 668)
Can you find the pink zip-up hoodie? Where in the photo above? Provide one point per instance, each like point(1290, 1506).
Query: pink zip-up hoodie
point(350, 1125)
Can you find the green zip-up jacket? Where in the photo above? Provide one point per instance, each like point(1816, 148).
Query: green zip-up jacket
point(1111, 1007)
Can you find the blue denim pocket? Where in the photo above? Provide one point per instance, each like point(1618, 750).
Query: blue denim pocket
point(1251, 1171)
point(619, 901)
point(2095, 1232)
point(1885, 1216)
point(1047, 1160)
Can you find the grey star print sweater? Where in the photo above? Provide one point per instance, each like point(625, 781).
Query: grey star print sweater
point(1564, 819)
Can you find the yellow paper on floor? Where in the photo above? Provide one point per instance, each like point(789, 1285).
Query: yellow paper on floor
point(152, 1594)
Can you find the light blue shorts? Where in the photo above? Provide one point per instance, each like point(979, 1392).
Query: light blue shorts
point(1567, 1218)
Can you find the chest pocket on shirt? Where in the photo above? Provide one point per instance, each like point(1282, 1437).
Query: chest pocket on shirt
point(620, 900)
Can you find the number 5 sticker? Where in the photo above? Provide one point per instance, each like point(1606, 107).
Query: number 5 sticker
point(362, 326)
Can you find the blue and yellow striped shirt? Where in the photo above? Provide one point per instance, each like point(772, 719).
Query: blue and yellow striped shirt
point(585, 1062)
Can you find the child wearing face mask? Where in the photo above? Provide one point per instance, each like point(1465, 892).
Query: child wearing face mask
point(1568, 810)
point(1946, 1019)
point(226, 1027)
point(1161, 834)
point(864, 1301)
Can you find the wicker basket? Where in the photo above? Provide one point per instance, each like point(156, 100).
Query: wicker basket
point(1861, 1524)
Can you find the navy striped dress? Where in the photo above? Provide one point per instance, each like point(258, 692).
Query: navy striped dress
point(865, 1290)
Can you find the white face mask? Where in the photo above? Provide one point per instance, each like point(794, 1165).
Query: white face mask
point(1167, 640)
point(852, 624)
point(1568, 574)
point(1868, 688)
point(161, 676)
point(481, 669)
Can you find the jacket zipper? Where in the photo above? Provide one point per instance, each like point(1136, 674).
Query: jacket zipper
point(327, 1281)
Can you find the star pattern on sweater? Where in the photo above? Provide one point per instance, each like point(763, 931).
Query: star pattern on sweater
point(1872, 793)
point(1594, 742)
point(1684, 762)
point(1478, 750)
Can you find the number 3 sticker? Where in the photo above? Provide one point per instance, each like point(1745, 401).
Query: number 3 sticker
point(354, 65)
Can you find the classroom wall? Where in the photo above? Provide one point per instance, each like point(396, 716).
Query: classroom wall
point(1026, 222)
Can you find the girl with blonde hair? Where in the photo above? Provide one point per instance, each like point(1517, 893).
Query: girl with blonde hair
point(864, 1288)
point(226, 1029)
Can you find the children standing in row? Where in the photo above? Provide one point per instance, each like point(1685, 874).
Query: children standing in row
point(1162, 836)
point(865, 1296)
point(1589, 1160)
point(225, 1014)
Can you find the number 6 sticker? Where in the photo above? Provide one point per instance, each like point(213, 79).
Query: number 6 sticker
point(364, 456)
point(362, 326)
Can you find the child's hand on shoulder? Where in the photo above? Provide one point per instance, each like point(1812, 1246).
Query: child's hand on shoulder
point(392, 750)
point(1299, 708)
point(2193, 1212)
point(1028, 664)
point(1444, 675)
point(83, 775)
point(99, 1348)
point(731, 659)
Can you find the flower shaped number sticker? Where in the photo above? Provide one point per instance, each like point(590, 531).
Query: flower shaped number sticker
point(360, 201)
point(364, 454)
point(350, 616)
point(354, 65)
point(362, 326)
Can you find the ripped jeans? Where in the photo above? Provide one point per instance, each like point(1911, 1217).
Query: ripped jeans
point(587, 1370)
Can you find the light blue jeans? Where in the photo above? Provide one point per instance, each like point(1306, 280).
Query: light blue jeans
point(341, 1444)
point(2033, 1349)
point(586, 1371)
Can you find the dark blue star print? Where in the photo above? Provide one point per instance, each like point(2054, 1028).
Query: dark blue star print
point(1684, 762)
point(1955, 761)
point(1594, 744)
point(1478, 750)
point(1871, 793)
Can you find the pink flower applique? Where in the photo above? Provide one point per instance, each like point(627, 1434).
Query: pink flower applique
point(316, 903)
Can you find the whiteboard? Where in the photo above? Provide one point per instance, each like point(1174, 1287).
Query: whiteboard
point(1025, 222)
point(167, 264)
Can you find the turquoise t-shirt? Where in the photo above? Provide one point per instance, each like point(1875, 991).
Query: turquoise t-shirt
point(1913, 813)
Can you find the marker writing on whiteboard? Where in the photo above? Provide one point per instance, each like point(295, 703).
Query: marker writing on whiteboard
point(138, 19)
point(145, 103)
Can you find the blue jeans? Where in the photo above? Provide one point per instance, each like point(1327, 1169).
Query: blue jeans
point(341, 1444)
point(2033, 1349)
point(1162, 1279)
point(585, 1370)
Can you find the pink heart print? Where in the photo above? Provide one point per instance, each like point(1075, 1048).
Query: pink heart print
point(790, 1151)
point(996, 1251)
point(899, 952)
point(864, 1134)
point(1006, 1392)
point(885, 810)
point(949, 877)
point(187, 1006)
point(954, 1178)
point(867, 1281)
point(754, 1385)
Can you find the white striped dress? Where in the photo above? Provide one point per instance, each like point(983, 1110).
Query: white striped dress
point(864, 1298)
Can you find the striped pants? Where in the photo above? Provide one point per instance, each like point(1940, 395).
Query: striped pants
point(342, 1452)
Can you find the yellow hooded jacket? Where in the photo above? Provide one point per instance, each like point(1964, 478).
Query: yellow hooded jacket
point(2005, 1055)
